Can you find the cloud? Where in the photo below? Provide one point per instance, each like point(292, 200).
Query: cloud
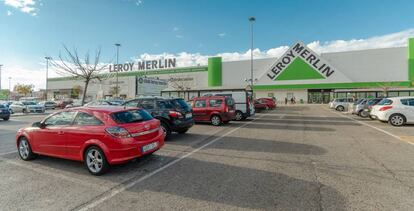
point(138, 2)
point(176, 28)
point(222, 34)
point(9, 13)
point(25, 6)
point(179, 36)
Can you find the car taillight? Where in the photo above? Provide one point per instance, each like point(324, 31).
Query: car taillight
point(384, 108)
point(175, 114)
point(118, 132)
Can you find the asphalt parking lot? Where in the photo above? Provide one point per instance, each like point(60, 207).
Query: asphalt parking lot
point(292, 158)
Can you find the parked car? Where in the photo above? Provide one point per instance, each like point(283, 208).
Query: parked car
point(358, 106)
point(397, 111)
point(270, 102)
point(103, 103)
point(63, 103)
point(368, 107)
point(48, 104)
point(243, 101)
point(4, 112)
point(174, 113)
point(74, 104)
point(259, 106)
point(214, 109)
point(340, 104)
point(17, 107)
point(99, 136)
point(33, 107)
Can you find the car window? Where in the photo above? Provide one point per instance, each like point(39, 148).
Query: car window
point(146, 104)
point(385, 102)
point(164, 105)
point(200, 104)
point(408, 101)
point(86, 119)
point(215, 102)
point(62, 118)
point(2, 106)
point(180, 103)
point(131, 116)
point(229, 101)
point(133, 103)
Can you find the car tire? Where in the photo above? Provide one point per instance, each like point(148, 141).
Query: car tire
point(24, 111)
point(340, 108)
point(166, 128)
point(6, 118)
point(364, 114)
point(239, 116)
point(397, 120)
point(95, 161)
point(215, 120)
point(25, 150)
point(182, 131)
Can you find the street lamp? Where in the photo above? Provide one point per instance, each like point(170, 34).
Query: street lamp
point(251, 20)
point(9, 87)
point(117, 70)
point(47, 71)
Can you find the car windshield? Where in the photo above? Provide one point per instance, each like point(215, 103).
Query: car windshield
point(29, 103)
point(131, 116)
point(2, 106)
point(385, 102)
point(180, 103)
point(229, 101)
point(359, 101)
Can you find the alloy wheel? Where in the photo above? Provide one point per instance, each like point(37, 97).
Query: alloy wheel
point(94, 161)
point(215, 120)
point(24, 149)
point(239, 116)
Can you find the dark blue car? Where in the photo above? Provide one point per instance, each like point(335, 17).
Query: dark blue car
point(4, 112)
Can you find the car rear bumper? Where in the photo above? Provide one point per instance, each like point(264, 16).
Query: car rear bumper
point(182, 124)
point(134, 150)
point(4, 115)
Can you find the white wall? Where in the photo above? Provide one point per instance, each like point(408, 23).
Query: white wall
point(281, 94)
point(234, 73)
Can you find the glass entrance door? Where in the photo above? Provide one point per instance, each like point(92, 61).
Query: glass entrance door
point(319, 96)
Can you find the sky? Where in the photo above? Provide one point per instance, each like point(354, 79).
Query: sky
point(190, 30)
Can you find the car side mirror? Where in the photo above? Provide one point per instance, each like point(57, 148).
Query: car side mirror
point(36, 124)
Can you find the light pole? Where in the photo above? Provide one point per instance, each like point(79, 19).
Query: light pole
point(251, 20)
point(117, 70)
point(47, 74)
point(10, 87)
point(0, 75)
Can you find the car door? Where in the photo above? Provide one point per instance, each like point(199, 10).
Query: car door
point(51, 138)
point(85, 127)
point(410, 110)
point(149, 106)
point(200, 110)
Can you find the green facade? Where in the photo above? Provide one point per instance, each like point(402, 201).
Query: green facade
point(299, 70)
point(214, 71)
point(411, 61)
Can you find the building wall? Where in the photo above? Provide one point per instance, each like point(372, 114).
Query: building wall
point(280, 95)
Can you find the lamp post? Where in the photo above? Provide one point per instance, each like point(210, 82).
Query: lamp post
point(0, 75)
point(117, 70)
point(47, 74)
point(9, 87)
point(251, 20)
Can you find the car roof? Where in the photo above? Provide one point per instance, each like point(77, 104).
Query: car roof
point(210, 97)
point(397, 98)
point(102, 109)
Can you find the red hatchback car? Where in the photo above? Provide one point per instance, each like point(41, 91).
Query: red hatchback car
point(270, 103)
point(214, 109)
point(98, 136)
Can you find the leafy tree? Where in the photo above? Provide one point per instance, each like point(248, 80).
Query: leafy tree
point(23, 89)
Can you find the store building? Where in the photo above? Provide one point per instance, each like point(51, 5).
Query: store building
point(300, 73)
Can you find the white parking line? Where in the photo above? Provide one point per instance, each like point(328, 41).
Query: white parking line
point(116, 191)
point(371, 126)
point(8, 153)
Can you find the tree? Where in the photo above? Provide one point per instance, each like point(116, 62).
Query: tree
point(75, 91)
point(114, 90)
point(181, 83)
point(74, 66)
point(23, 89)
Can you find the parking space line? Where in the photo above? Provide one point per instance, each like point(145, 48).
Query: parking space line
point(371, 126)
point(115, 191)
point(8, 153)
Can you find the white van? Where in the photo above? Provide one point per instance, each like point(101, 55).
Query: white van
point(243, 102)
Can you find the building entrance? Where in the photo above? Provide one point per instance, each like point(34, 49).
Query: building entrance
point(319, 96)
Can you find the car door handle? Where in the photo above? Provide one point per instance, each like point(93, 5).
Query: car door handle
point(61, 133)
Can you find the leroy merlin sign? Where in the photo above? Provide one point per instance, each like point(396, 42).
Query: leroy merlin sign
point(300, 63)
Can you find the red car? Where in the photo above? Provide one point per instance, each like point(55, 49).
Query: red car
point(214, 109)
point(98, 136)
point(259, 106)
point(270, 103)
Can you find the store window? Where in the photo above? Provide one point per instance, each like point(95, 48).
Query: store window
point(392, 94)
point(271, 95)
point(404, 93)
point(360, 95)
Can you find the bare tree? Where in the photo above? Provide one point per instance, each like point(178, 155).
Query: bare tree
point(181, 83)
point(385, 87)
point(85, 69)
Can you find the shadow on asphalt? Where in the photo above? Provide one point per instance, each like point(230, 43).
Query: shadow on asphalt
point(308, 122)
point(284, 127)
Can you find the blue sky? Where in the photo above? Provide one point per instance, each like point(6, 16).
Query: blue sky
point(31, 29)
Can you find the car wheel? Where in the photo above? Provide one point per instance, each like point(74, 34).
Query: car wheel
point(95, 161)
point(397, 120)
point(340, 108)
point(182, 131)
point(6, 118)
point(215, 120)
point(25, 151)
point(364, 114)
point(239, 115)
point(24, 111)
point(166, 128)
point(11, 111)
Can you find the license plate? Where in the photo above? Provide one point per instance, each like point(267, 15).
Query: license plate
point(189, 115)
point(149, 147)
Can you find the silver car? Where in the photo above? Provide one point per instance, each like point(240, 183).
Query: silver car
point(340, 104)
point(359, 106)
point(34, 107)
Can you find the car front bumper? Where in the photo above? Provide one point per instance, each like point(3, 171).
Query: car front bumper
point(181, 124)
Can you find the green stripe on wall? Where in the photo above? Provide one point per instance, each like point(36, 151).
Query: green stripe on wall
point(411, 60)
point(142, 73)
point(334, 85)
point(214, 71)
